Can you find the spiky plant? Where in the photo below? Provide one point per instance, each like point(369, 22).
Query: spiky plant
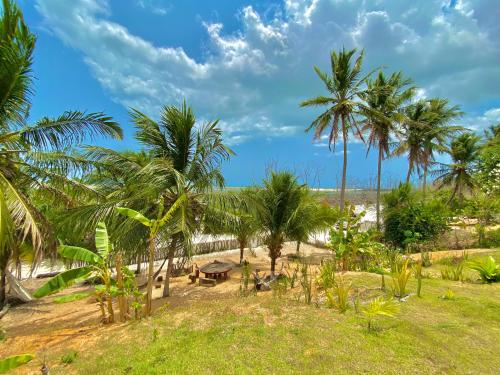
point(379, 307)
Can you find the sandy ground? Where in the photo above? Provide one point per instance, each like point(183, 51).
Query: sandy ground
point(44, 326)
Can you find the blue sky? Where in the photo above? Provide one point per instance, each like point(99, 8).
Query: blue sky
point(249, 63)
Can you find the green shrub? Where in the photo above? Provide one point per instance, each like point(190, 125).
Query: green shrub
point(453, 272)
point(69, 358)
point(326, 278)
point(489, 270)
point(409, 221)
point(491, 238)
point(338, 296)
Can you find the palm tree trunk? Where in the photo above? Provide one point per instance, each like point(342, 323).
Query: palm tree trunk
point(379, 175)
point(273, 264)
point(170, 267)
point(344, 166)
point(408, 175)
point(242, 249)
point(424, 185)
point(3, 286)
point(138, 269)
point(149, 297)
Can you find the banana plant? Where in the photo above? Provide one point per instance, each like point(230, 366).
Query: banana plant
point(96, 265)
point(12, 362)
point(155, 226)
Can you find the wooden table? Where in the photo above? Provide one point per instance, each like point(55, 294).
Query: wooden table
point(216, 270)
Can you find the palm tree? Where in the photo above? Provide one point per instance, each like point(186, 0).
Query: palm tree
point(345, 86)
point(464, 152)
point(441, 113)
point(185, 161)
point(426, 132)
point(33, 157)
point(280, 204)
point(315, 216)
point(386, 97)
point(243, 227)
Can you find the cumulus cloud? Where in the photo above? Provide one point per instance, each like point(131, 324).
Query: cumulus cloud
point(254, 79)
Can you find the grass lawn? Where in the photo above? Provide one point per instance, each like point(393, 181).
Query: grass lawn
point(266, 334)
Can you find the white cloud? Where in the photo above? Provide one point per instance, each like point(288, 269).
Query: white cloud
point(254, 79)
point(481, 122)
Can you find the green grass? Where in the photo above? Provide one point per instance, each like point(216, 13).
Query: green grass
point(262, 334)
point(71, 297)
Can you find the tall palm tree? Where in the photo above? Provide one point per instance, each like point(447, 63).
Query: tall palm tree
point(33, 157)
point(425, 132)
point(386, 97)
point(345, 84)
point(464, 152)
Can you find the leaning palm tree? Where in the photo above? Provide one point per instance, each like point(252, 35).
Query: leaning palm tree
point(464, 152)
point(386, 97)
point(345, 85)
point(441, 113)
point(33, 157)
point(425, 133)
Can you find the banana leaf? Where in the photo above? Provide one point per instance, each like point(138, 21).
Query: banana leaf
point(79, 254)
point(63, 280)
point(102, 240)
point(132, 214)
point(14, 361)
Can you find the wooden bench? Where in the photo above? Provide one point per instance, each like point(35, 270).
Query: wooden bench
point(207, 282)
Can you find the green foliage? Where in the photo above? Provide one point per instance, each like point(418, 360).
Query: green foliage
point(379, 307)
point(449, 295)
point(97, 266)
point(71, 297)
point(400, 277)
point(326, 278)
point(488, 170)
point(338, 296)
point(345, 86)
point(10, 363)
point(280, 207)
point(349, 243)
point(246, 271)
point(459, 174)
point(63, 280)
point(488, 269)
point(69, 357)
point(306, 282)
point(453, 272)
point(408, 220)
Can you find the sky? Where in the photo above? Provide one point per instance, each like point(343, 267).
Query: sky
point(250, 64)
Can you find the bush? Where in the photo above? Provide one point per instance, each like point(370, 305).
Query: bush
point(69, 358)
point(488, 269)
point(409, 221)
